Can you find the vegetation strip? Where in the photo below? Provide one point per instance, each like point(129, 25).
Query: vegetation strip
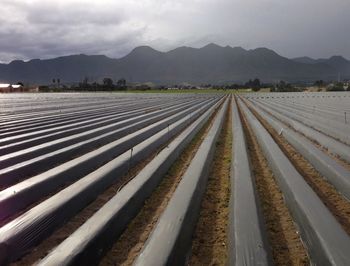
point(130, 243)
point(336, 203)
point(286, 245)
point(210, 243)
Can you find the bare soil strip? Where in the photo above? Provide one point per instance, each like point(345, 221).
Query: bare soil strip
point(286, 245)
point(335, 157)
point(131, 242)
point(210, 243)
point(335, 202)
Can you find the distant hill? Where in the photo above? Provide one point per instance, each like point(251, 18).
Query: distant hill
point(305, 60)
point(209, 64)
point(338, 63)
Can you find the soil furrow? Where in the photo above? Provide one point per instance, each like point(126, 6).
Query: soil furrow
point(210, 243)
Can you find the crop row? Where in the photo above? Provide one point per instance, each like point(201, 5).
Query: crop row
point(132, 179)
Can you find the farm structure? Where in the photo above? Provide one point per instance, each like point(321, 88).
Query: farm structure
point(175, 179)
point(15, 88)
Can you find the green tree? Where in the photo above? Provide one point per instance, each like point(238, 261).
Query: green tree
point(283, 86)
point(339, 86)
point(121, 84)
point(319, 83)
point(254, 84)
point(107, 82)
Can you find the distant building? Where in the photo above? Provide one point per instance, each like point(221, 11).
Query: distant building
point(6, 88)
point(16, 87)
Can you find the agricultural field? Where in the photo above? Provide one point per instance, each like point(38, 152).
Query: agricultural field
point(175, 179)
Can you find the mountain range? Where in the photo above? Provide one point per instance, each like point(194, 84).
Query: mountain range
point(209, 64)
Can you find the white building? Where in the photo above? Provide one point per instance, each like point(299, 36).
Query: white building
point(5, 87)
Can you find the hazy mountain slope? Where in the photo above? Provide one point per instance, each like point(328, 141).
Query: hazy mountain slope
point(211, 63)
point(338, 63)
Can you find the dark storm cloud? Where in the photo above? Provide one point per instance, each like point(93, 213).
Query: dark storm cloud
point(43, 29)
point(74, 15)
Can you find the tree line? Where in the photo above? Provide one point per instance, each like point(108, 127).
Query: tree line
point(106, 85)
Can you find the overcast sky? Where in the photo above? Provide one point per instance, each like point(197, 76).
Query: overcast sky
point(45, 29)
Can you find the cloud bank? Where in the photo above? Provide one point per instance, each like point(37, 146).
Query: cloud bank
point(44, 29)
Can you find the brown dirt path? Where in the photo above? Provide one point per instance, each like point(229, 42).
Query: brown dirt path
point(209, 246)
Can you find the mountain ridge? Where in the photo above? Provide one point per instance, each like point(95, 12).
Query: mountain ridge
point(210, 63)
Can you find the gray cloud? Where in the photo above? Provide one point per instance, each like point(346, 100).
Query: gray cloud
point(44, 29)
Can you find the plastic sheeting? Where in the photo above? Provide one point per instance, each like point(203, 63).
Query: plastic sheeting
point(247, 237)
point(21, 139)
point(22, 194)
point(30, 228)
point(170, 240)
point(338, 130)
point(86, 245)
point(44, 156)
point(329, 143)
point(329, 168)
point(326, 241)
